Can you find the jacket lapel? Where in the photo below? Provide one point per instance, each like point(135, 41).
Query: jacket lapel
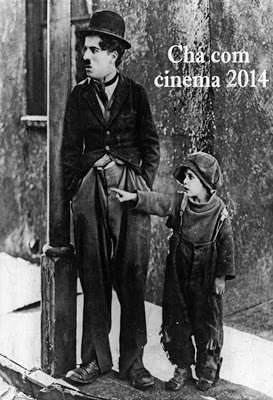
point(120, 95)
point(89, 93)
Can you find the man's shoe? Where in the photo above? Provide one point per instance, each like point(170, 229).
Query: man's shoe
point(141, 378)
point(180, 378)
point(84, 374)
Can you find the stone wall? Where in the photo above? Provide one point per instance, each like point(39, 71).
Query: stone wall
point(22, 154)
point(243, 142)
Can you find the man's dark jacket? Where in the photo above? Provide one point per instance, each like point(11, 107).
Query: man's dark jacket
point(129, 134)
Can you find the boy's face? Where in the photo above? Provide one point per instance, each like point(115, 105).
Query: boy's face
point(193, 187)
point(98, 63)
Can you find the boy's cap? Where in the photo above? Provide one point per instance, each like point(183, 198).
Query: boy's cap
point(205, 166)
point(109, 23)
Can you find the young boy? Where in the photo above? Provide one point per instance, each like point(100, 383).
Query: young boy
point(200, 260)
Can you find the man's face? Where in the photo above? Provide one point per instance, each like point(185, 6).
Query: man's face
point(98, 63)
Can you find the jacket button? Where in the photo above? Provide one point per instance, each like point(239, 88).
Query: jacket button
point(107, 132)
point(107, 148)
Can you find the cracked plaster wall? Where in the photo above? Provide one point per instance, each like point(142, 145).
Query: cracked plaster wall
point(22, 156)
point(243, 143)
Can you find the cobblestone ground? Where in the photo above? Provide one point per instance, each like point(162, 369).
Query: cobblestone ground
point(8, 392)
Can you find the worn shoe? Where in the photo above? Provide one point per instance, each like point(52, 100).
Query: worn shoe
point(204, 384)
point(141, 378)
point(84, 374)
point(180, 378)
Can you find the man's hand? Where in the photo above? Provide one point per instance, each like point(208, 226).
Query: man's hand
point(122, 195)
point(219, 285)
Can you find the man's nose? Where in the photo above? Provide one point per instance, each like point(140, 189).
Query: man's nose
point(87, 55)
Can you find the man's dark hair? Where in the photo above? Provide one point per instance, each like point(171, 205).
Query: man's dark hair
point(111, 44)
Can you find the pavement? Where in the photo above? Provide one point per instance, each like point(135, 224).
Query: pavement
point(248, 358)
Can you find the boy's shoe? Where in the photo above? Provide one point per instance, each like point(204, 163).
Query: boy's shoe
point(84, 374)
point(180, 378)
point(204, 384)
point(141, 378)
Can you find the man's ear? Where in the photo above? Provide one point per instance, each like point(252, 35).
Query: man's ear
point(114, 56)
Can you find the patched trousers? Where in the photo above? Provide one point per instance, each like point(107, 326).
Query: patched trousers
point(190, 308)
point(112, 245)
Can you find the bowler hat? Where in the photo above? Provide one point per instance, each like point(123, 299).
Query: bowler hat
point(109, 23)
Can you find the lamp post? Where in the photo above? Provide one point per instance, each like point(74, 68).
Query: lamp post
point(59, 277)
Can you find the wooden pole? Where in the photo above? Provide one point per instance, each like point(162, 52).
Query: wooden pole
point(58, 261)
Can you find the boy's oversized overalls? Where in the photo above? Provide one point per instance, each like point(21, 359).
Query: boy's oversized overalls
point(189, 305)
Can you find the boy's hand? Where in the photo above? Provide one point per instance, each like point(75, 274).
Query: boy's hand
point(122, 195)
point(219, 285)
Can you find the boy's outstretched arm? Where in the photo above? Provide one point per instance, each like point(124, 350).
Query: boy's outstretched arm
point(122, 195)
point(153, 203)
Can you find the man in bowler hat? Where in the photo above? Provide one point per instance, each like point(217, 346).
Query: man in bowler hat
point(110, 140)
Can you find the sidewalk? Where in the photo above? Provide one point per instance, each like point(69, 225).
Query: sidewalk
point(248, 359)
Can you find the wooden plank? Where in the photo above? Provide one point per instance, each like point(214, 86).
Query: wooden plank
point(59, 393)
point(38, 384)
point(15, 375)
point(108, 387)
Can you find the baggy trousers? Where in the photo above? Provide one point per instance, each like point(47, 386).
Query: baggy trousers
point(112, 243)
point(190, 308)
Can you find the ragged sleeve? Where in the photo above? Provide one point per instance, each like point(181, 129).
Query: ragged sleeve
point(160, 204)
point(226, 261)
